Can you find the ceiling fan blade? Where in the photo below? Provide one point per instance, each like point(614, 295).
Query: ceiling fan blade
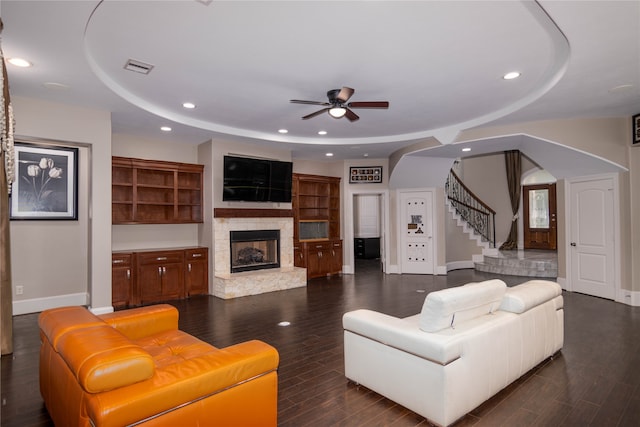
point(299, 101)
point(369, 104)
point(308, 116)
point(351, 115)
point(345, 94)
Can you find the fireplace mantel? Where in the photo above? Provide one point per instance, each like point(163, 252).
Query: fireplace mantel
point(252, 213)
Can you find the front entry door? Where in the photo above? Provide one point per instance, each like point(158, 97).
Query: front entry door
point(539, 210)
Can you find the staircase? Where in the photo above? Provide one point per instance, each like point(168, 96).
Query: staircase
point(478, 221)
point(529, 263)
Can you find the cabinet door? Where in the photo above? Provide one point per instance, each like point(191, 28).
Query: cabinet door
point(196, 271)
point(150, 283)
point(160, 276)
point(121, 280)
point(335, 266)
point(299, 259)
point(318, 259)
point(172, 284)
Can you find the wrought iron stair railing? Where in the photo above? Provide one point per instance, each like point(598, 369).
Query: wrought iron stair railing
point(480, 217)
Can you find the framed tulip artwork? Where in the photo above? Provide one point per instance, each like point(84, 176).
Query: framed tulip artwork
point(46, 183)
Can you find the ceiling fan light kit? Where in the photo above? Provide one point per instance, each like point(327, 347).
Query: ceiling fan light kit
point(337, 107)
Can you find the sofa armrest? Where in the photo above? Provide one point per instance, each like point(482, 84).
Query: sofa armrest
point(403, 335)
point(187, 382)
point(141, 322)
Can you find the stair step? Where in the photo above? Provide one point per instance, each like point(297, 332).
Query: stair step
point(520, 263)
point(515, 270)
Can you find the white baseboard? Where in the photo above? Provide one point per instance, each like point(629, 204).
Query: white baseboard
point(631, 298)
point(101, 310)
point(459, 265)
point(441, 270)
point(393, 269)
point(37, 305)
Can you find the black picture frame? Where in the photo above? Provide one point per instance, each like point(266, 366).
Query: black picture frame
point(365, 175)
point(46, 183)
point(635, 130)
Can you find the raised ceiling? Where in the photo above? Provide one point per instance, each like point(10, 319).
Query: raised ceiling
point(438, 63)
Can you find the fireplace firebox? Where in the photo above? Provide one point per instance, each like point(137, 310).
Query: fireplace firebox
point(254, 250)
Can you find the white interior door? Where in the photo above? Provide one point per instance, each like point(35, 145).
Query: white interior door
point(592, 234)
point(416, 232)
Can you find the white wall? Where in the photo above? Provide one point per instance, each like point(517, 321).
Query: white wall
point(77, 269)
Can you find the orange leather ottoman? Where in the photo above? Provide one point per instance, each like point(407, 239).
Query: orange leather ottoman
point(136, 367)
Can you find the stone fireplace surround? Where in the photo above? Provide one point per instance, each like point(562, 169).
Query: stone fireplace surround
point(227, 285)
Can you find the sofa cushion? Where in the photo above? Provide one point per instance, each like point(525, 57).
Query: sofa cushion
point(56, 322)
point(521, 298)
point(103, 359)
point(450, 307)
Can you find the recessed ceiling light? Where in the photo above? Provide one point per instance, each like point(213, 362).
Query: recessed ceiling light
point(329, 154)
point(284, 323)
point(165, 129)
point(512, 75)
point(466, 149)
point(19, 62)
point(189, 105)
point(283, 131)
point(366, 154)
point(322, 132)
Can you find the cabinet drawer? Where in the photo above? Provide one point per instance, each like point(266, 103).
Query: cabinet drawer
point(196, 254)
point(160, 257)
point(121, 260)
point(319, 246)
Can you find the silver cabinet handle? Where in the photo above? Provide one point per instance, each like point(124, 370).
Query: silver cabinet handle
point(164, 270)
point(160, 271)
point(118, 261)
point(196, 255)
point(161, 258)
point(128, 274)
point(189, 265)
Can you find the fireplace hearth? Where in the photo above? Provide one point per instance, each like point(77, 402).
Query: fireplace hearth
point(254, 250)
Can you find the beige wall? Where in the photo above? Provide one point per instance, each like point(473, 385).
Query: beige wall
point(77, 267)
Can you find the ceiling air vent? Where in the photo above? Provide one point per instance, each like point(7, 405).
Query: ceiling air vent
point(138, 66)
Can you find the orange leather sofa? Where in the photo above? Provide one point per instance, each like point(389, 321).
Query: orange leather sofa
point(136, 367)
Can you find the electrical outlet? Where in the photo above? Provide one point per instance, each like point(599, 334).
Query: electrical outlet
point(19, 290)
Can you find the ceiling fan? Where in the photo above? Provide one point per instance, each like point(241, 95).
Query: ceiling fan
point(338, 106)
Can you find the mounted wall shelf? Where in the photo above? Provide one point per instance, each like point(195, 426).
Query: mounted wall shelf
point(155, 192)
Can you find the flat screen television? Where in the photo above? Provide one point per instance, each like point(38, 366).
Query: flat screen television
point(256, 180)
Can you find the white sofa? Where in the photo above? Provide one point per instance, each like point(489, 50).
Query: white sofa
point(467, 344)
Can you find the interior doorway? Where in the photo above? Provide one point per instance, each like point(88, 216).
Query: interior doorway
point(540, 216)
point(367, 229)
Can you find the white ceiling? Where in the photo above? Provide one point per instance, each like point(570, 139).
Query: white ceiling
point(438, 63)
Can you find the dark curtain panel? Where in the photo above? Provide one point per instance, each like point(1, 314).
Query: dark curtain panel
point(6, 305)
point(513, 161)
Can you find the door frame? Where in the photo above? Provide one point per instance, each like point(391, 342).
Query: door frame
point(617, 249)
point(348, 247)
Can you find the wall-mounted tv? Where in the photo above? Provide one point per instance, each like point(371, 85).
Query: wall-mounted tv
point(248, 179)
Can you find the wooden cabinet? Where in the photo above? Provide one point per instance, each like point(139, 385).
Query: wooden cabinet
point(196, 273)
point(122, 279)
point(150, 276)
point(160, 276)
point(316, 213)
point(155, 192)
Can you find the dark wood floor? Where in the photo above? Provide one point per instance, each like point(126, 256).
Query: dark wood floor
point(593, 381)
